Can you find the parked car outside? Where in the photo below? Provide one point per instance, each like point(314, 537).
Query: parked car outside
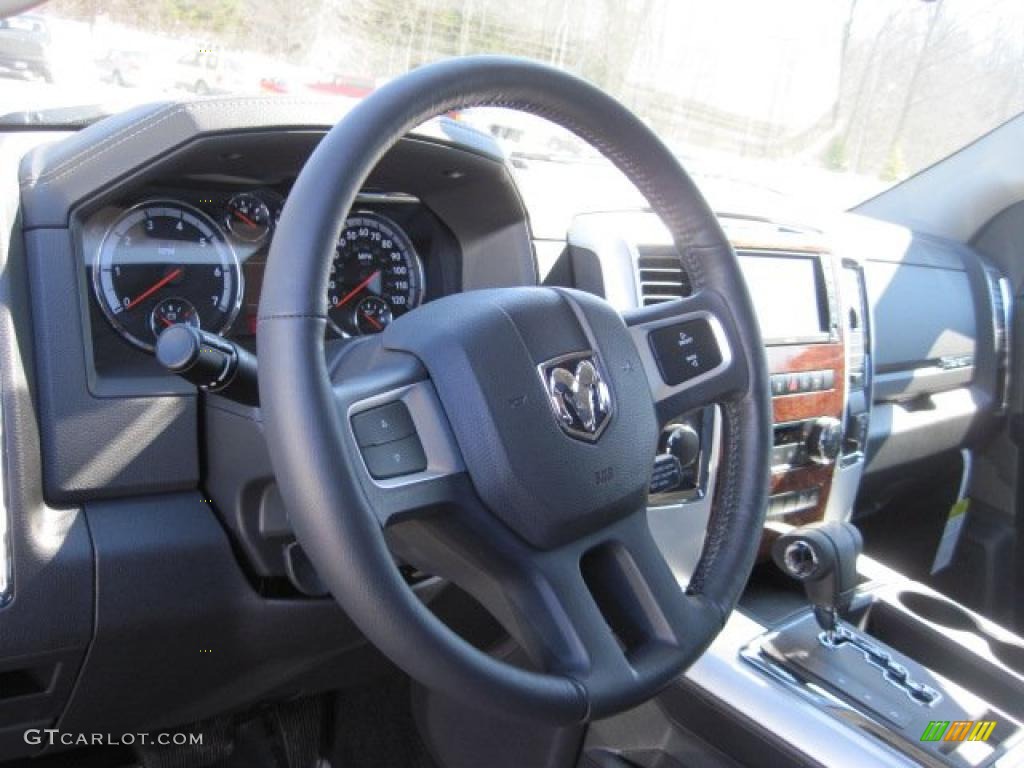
point(344, 85)
point(125, 68)
point(204, 71)
point(26, 47)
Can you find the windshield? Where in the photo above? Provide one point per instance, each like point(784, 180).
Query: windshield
point(828, 101)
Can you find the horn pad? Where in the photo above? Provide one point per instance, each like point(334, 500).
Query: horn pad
point(548, 400)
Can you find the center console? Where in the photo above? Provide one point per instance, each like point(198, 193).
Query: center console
point(813, 315)
point(904, 677)
point(920, 673)
point(878, 670)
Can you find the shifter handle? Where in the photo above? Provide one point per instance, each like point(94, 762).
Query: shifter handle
point(824, 557)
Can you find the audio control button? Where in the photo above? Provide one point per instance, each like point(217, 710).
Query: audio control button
point(394, 459)
point(685, 350)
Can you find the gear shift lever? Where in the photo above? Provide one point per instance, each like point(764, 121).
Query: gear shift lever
point(824, 557)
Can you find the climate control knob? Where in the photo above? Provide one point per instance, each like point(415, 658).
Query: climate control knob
point(824, 440)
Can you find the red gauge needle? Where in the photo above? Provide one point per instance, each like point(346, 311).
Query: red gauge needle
point(167, 323)
point(246, 219)
point(357, 289)
point(154, 288)
point(373, 322)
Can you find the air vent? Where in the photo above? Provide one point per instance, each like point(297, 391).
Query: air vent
point(661, 275)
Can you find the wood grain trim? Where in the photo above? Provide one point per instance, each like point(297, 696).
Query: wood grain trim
point(797, 407)
point(811, 357)
point(798, 479)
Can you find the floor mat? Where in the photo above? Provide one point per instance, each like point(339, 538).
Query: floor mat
point(373, 727)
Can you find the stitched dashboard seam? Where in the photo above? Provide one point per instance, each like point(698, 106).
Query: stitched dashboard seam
point(147, 123)
point(291, 316)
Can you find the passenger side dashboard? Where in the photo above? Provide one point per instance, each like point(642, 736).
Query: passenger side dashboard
point(942, 317)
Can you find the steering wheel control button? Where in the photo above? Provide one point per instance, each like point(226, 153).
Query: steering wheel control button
point(383, 424)
point(667, 474)
point(395, 459)
point(685, 350)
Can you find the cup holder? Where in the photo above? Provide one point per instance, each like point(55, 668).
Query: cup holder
point(954, 617)
point(938, 611)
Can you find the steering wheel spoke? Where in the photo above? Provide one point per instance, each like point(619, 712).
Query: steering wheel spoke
point(404, 453)
point(606, 611)
point(690, 351)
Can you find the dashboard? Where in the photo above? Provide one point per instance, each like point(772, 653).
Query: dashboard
point(156, 502)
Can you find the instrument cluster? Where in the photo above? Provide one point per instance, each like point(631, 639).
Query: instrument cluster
point(199, 259)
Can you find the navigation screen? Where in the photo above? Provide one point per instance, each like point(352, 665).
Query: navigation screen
point(785, 293)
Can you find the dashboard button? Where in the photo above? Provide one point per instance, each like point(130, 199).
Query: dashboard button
point(401, 457)
point(383, 424)
point(817, 381)
point(685, 350)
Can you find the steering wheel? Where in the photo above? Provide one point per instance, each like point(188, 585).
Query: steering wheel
point(525, 423)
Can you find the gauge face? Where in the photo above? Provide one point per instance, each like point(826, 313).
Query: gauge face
point(376, 276)
point(247, 218)
point(172, 311)
point(163, 263)
point(373, 314)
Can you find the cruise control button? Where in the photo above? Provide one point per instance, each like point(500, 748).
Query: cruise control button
point(383, 424)
point(401, 457)
point(685, 350)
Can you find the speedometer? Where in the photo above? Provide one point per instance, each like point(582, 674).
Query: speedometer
point(376, 275)
point(163, 263)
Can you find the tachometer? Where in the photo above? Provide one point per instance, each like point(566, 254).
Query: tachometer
point(163, 263)
point(376, 275)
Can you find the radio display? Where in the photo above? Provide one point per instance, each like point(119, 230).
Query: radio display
point(786, 290)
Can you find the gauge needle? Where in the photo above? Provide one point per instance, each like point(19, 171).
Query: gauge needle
point(165, 321)
point(357, 289)
point(245, 219)
point(373, 321)
point(154, 288)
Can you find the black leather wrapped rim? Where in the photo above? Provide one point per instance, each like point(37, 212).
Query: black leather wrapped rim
point(303, 429)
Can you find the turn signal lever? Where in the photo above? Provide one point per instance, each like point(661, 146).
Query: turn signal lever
point(209, 361)
point(824, 557)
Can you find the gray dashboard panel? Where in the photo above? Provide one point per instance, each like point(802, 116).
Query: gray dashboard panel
point(95, 446)
point(921, 314)
point(935, 361)
point(140, 435)
point(46, 621)
point(57, 176)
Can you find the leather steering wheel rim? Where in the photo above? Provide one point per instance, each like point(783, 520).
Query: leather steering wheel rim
point(316, 461)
